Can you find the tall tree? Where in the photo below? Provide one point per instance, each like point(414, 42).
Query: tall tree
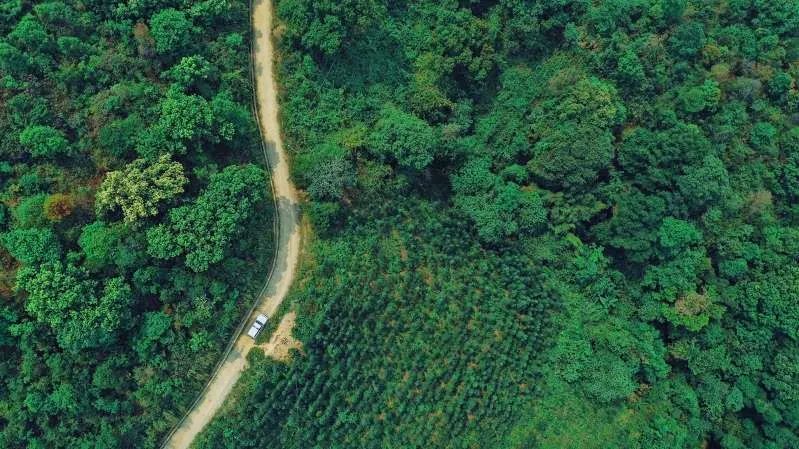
point(140, 188)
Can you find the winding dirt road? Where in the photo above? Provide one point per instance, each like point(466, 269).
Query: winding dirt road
point(288, 239)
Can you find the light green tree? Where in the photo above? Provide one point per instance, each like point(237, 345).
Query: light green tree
point(140, 187)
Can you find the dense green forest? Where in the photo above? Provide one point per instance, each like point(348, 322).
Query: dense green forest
point(130, 167)
point(538, 224)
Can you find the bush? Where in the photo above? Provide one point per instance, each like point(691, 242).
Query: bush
point(44, 141)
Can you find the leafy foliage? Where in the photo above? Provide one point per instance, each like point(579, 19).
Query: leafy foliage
point(170, 30)
point(64, 299)
point(31, 246)
point(405, 138)
point(628, 168)
point(537, 223)
point(139, 187)
point(114, 116)
point(43, 141)
point(203, 230)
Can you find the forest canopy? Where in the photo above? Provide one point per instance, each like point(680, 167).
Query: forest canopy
point(532, 223)
point(539, 224)
point(135, 216)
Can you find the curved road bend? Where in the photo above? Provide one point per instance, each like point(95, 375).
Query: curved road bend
point(288, 240)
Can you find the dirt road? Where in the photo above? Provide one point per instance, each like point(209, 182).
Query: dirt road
point(288, 239)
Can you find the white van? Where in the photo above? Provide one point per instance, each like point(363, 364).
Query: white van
point(256, 327)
